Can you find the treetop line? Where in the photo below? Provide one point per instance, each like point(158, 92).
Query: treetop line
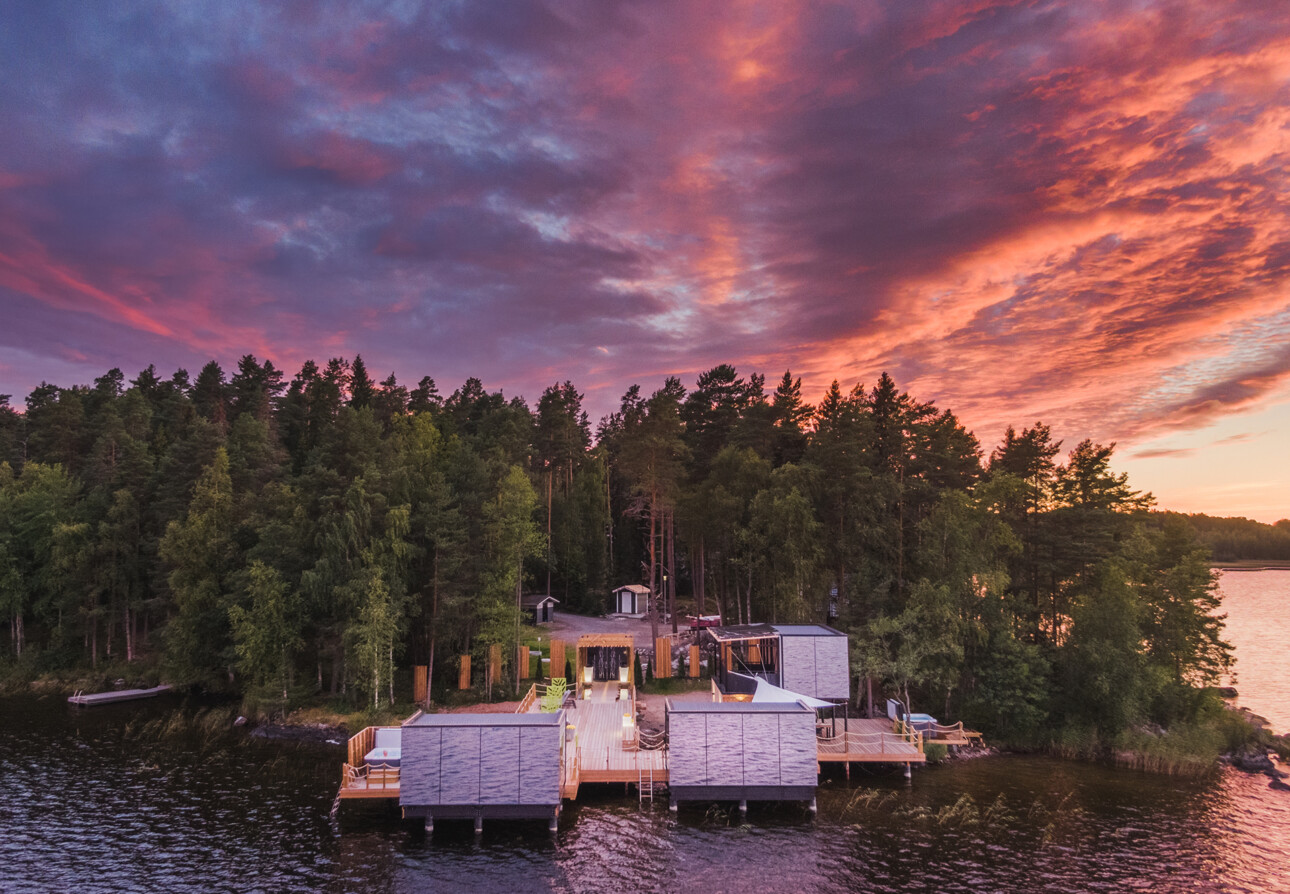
point(282, 537)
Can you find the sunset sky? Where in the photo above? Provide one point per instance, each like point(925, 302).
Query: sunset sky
point(1073, 212)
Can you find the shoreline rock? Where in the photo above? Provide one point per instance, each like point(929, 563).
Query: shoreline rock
point(303, 735)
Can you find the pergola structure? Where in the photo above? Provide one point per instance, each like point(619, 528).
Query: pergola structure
point(603, 654)
point(744, 651)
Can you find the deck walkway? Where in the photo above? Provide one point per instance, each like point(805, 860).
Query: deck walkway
point(606, 750)
point(860, 740)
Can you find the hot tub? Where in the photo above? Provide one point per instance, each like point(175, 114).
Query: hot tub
point(388, 748)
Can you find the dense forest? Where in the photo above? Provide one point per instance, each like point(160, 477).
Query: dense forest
point(251, 533)
point(1238, 539)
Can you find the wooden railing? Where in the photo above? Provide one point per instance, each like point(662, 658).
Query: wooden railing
point(852, 742)
point(911, 735)
point(360, 744)
point(372, 777)
point(529, 698)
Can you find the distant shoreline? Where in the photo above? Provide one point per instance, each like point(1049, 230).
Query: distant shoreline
point(1251, 565)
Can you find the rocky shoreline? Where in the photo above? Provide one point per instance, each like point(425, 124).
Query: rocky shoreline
point(1261, 759)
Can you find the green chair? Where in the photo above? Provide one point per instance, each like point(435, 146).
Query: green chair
point(553, 698)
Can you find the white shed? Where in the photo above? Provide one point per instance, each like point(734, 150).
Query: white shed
point(632, 599)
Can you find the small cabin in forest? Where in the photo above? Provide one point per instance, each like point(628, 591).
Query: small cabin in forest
point(632, 599)
point(539, 607)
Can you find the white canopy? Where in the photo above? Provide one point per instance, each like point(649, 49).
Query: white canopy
point(769, 692)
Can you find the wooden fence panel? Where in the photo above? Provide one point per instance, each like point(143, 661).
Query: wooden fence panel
point(694, 662)
point(557, 658)
point(495, 662)
point(419, 683)
point(463, 677)
point(662, 658)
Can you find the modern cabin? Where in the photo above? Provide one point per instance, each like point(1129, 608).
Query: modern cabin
point(482, 766)
point(539, 607)
point(741, 751)
point(815, 661)
point(632, 599)
point(805, 659)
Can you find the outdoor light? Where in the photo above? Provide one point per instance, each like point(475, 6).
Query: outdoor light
point(627, 722)
point(622, 674)
point(586, 674)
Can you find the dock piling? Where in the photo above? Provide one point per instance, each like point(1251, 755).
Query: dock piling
point(814, 810)
point(479, 825)
point(429, 825)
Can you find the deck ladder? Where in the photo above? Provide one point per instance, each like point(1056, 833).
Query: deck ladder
point(645, 781)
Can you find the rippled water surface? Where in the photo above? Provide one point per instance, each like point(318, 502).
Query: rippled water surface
point(90, 804)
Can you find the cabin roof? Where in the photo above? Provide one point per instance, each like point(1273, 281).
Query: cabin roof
point(479, 720)
point(606, 639)
point(737, 707)
point(735, 632)
point(533, 600)
point(806, 630)
point(635, 588)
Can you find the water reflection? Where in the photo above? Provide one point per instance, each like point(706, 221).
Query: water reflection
point(91, 810)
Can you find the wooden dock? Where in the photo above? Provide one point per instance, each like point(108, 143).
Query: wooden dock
point(118, 695)
point(605, 747)
point(607, 750)
point(858, 740)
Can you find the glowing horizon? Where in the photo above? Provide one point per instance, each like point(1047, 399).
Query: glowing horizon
point(1023, 212)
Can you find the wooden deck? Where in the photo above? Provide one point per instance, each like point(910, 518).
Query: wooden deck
point(860, 740)
point(954, 735)
point(118, 695)
point(369, 782)
point(607, 751)
point(361, 780)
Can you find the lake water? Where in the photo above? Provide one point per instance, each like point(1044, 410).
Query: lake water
point(1258, 607)
point(92, 805)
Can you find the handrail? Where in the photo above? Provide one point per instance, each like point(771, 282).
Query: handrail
point(387, 778)
point(843, 742)
point(529, 698)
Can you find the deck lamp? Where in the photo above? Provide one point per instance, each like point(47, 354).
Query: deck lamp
point(586, 674)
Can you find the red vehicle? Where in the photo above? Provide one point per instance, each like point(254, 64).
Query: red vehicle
point(704, 621)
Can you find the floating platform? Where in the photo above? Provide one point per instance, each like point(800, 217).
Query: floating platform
point(118, 695)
